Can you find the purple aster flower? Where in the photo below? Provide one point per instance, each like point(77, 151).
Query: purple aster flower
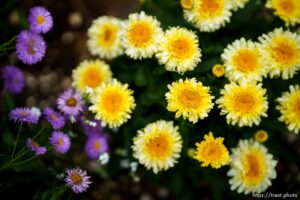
point(24, 115)
point(70, 103)
point(78, 180)
point(30, 47)
point(13, 79)
point(34, 146)
point(40, 20)
point(95, 145)
point(92, 127)
point(54, 118)
point(60, 141)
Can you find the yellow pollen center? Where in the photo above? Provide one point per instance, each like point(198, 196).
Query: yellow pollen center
point(253, 170)
point(40, 19)
point(284, 52)
point(187, 4)
point(92, 78)
point(190, 98)
point(35, 144)
point(60, 141)
point(76, 178)
point(108, 36)
point(53, 117)
point(245, 60)
point(23, 113)
point(287, 6)
point(140, 34)
point(71, 102)
point(210, 8)
point(297, 108)
point(97, 145)
point(244, 102)
point(158, 146)
point(180, 48)
point(112, 102)
point(30, 48)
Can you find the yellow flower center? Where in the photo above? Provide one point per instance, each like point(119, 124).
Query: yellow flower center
point(187, 4)
point(254, 167)
point(218, 70)
point(71, 102)
point(40, 19)
point(92, 78)
point(97, 145)
point(261, 136)
point(284, 52)
point(112, 102)
point(287, 6)
point(297, 108)
point(211, 8)
point(108, 36)
point(30, 48)
point(190, 98)
point(244, 102)
point(180, 48)
point(140, 34)
point(158, 147)
point(76, 178)
point(60, 141)
point(53, 117)
point(35, 144)
point(245, 60)
point(23, 113)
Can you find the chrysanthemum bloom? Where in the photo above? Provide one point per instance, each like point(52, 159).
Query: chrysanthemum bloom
point(104, 37)
point(190, 99)
point(112, 103)
point(91, 73)
point(77, 180)
point(209, 15)
point(95, 145)
point(287, 10)
point(13, 79)
point(34, 146)
point(30, 47)
point(20, 115)
point(187, 4)
point(252, 167)
point(179, 50)
point(244, 60)
point(238, 4)
point(54, 118)
point(92, 127)
point(158, 145)
point(261, 136)
point(70, 102)
point(212, 151)
point(218, 70)
point(40, 20)
point(243, 104)
point(141, 35)
point(289, 107)
point(60, 141)
point(281, 50)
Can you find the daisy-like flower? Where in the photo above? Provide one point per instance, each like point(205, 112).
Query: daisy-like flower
point(244, 60)
point(158, 145)
point(287, 10)
point(289, 107)
point(212, 151)
point(141, 35)
point(104, 37)
point(238, 4)
point(179, 50)
point(187, 4)
point(54, 118)
point(112, 103)
point(209, 15)
point(281, 50)
point(35, 147)
point(14, 81)
point(243, 104)
point(92, 127)
point(77, 180)
point(70, 103)
point(40, 20)
point(190, 99)
point(60, 141)
point(30, 47)
point(261, 136)
point(252, 167)
point(218, 70)
point(95, 145)
point(91, 73)
point(20, 115)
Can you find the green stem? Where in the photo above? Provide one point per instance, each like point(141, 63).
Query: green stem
point(70, 196)
point(17, 140)
point(25, 161)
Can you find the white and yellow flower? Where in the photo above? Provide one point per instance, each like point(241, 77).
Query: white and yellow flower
point(238, 4)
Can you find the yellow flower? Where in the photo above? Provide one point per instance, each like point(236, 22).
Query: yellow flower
point(243, 104)
point(218, 70)
point(179, 50)
point(261, 136)
point(212, 151)
point(209, 15)
point(252, 167)
point(141, 35)
point(237, 4)
point(158, 145)
point(104, 37)
point(91, 73)
point(281, 50)
point(189, 99)
point(243, 60)
point(287, 10)
point(112, 103)
point(187, 4)
point(289, 107)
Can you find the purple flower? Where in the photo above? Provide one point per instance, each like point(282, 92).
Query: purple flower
point(30, 47)
point(24, 115)
point(40, 20)
point(13, 79)
point(92, 127)
point(77, 180)
point(70, 103)
point(54, 118)
point(60, 141)
point(34, 146)
point(95, 145)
